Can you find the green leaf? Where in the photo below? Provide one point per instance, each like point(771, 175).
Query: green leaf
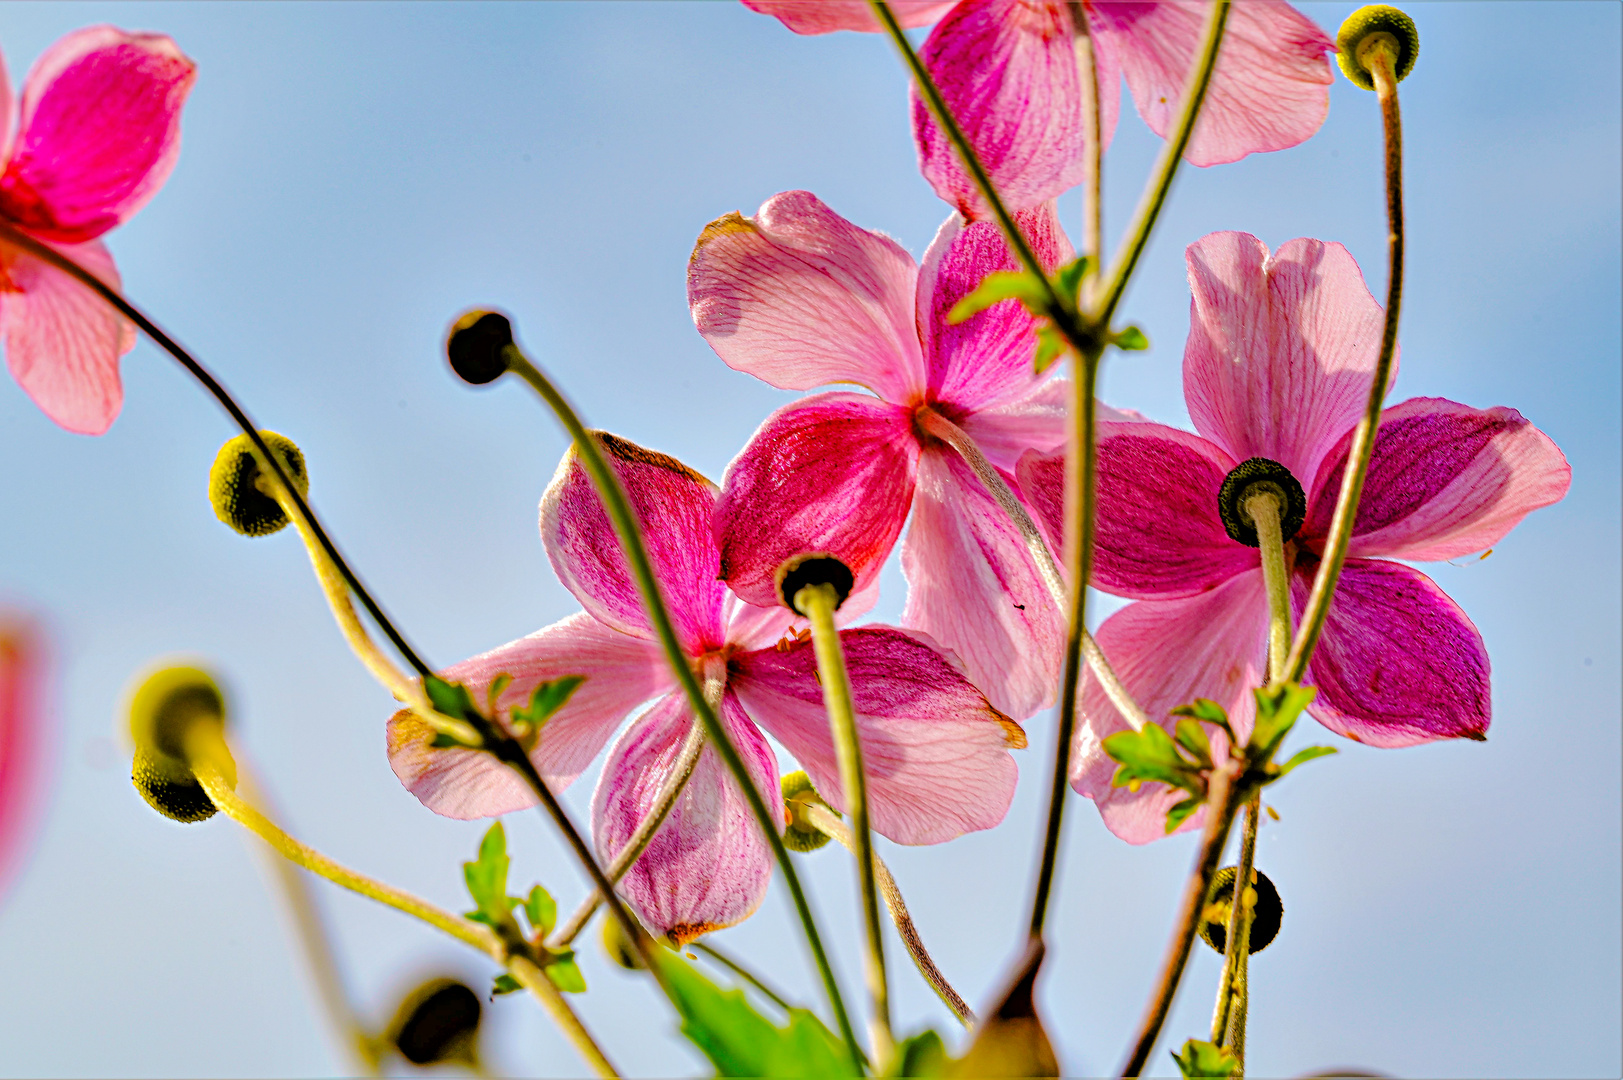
point(1192, 737)
point(486, 878)
point(1203, 1059)
point(1051, 345)
point(1210, 711)
point(1304, 755)
point(452, 699)
point(1277, 711)
point(548, 698)
point(998, 286)
point(1131, 339)
point(1179, 813)
point(1069, 277)
point(541, 911)
point(505, 984)
point(565, 974)
point(497, 685)
point(922, 1055)
point(1150, 755)
point(444, 741)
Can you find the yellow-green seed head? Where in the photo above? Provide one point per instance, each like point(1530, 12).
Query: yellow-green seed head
point(164, 710)
point(1266, 916)
point(438, 1022)
point(800, 834)
point(182, 800)
point(618, 946)
point(234, 493)
point(1367, 28)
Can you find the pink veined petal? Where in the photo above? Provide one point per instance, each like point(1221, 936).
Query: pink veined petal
point(825, 16)
point(21, 739)
point(1444, 480)
point(1399, 663)
point(1008, 72)
point(98, 134)
point(1281, 348)
point(988, 357)
point(935, 752)
point(1271, 88)
point(752, 627)
point(621, 673)
point(831, 473)
point(800, 297)
point(708, 866)
point(973, 587)
point(675, 505)
point(1168, 653)
point(62, 340)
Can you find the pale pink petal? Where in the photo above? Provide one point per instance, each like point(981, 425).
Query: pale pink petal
point(988, 357)
point(934, 750)
point(674, 505)
point(1444, 480)
point(1399, 663)
point(800, 297)
point(98, 134)
point(22, 738)
point(708, 866)
point(1281, 348)
point(6, 104)
point(825, 16)
point(1271, 88)
point(62, 340)
point(1168, 653)
point(1008, 72)
point(621, 673)
point(832, 473)
point(1036, 420)
point(973, 586)
point(750, 626)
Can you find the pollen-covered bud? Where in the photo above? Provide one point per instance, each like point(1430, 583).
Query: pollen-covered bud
point(1251, 477)
point(438, 1023)
point(477, 346)
point(233, 484)
point(798, 794)
point(1265, 917)
point(815, 568)
point(164, 711)
point(1371, 27)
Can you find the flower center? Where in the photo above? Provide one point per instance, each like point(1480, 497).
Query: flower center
point(1253, 477)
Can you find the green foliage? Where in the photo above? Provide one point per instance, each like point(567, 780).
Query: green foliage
point(1203, 1059)
point(540, 910)
point(487, 884)
point(1152, 755)
point(922, 1055)
point(486, 878)
point(505, 984)
point(1069, 277)
point(547, 699)
point(452, 699)
point(1131, 339)
point(1051, 345)
point(497, 685)
point(1277, 713)
point(998, 286)
point(1304, 755)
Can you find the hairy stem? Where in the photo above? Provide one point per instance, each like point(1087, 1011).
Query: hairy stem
point(1266, 514)
point(1093, 156)
point(1228, 1016)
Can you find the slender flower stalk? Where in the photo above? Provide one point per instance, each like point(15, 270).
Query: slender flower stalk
point(1267, 514)
point(1233, 993)
point(1093, 159)
point(742, 972)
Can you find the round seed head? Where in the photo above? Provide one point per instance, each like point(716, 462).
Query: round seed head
point(476, 346)
point(800, 834)
point(1250, 477)
point(1265, 918)
point(233, 484)
point(437, 1022)
point(1360, 31)
point(814, 568)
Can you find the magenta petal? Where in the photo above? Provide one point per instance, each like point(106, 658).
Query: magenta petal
point(1399, 663)
point(800, 297)
point(935, 751)
point(974, 588)
point(1167, 653)
point(675, 506)
point(1444, 480)
point(62, 340)
point(98, 134)
point(832, 473)
point(621, 673)
point(1271, 88)
point(21, 737)
point(708, 866)
point(1008, 72)
point(825, 16)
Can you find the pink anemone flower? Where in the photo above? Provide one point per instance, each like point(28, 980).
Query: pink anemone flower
point(1277, 367)
point(800, 297)
point(936, 751)
point(20, 738)
point(1008, 71)
point(97, 133)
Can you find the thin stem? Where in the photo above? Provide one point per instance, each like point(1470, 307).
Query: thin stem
point(627, 529)
point(742, 972)
point(817, 603)
point(1166, 166)
point(533, 979)
point(1379, 60)
point(1266, 513)
point(1093, 156)
point(829, 824)
point(1231, 989)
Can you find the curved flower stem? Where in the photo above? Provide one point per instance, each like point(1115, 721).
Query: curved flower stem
point(1093, 156)
point(205, 749)
point(1266, 514)
point(626, 528)
point(817, 603)
point(829, 824)
point(742, 972)
point(1228, 1018)
point(1380, 61)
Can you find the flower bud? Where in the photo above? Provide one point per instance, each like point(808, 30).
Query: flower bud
point(476, 346)
point(1370, 27)
point(164, 710)
point(438, 1022)
point(1250, 477)
point(814, 568)
point(1265, 917)
point(233, 490)
point(800, 834)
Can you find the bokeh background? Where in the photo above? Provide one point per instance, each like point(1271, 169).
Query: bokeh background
point(353, 176)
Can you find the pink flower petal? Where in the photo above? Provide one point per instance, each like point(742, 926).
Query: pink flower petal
point(6, 103)
point(824, 16)
point(1167, 653)
point(1399, 663)
point(1008, 72)
point(1036, 420)
point(674, 505)
point(99, 132)
point(988, 357)
point(708, 866)
point(62, 340)
point(1444, 480)
point(935, 752)
point(800, 297)
point(1281, 348)
point(752, 627)
point(621, 673)
point(974, 588)
point(21, 739)
point(1271, 88)
point(832, 473)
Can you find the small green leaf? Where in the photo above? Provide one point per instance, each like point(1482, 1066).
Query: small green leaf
point(444, 741)
point(1180, 812)
point(1277, 711)
point(505, 984)
point(486, 878)
point(1203, 1059)
point(452, 699)
point(565, 974)
point(1150, 755)
point(547, 699)
point(1051, 345)
point(1209, 711)
point(1069, 277)
point(541, 911)
point(497, 685)
point(922, 1055)
point(998, 286)
point(1131, 339)
point(1192, 737)
point(1304, 755)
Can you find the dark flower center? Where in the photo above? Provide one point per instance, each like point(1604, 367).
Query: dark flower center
point(1253, 477)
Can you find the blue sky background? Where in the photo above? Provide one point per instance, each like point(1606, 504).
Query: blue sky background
point(354, 175)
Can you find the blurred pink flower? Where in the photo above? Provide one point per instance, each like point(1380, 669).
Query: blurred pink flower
point(936, 751)
point(98, 132)
point(1280, 353)
point(20, 738)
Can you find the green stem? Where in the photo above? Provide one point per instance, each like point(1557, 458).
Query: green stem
point(1229, 1013)
point(1266, 514)
point(627, 529)
point(1093, 156)
point(742, 972)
